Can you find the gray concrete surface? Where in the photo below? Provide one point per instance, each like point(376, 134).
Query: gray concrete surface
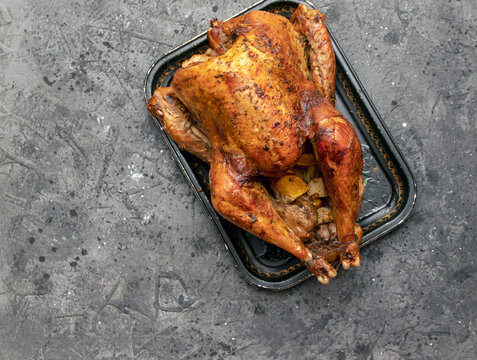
point(106, 254)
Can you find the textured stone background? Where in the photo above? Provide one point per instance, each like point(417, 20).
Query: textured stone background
point(105, 253)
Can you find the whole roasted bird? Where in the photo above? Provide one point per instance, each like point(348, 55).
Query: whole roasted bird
point(258, 106)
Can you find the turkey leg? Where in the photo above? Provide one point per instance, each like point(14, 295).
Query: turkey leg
point(338, 152)
point(247, 204)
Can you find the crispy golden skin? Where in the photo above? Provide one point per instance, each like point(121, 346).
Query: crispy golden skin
point(256, 102)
